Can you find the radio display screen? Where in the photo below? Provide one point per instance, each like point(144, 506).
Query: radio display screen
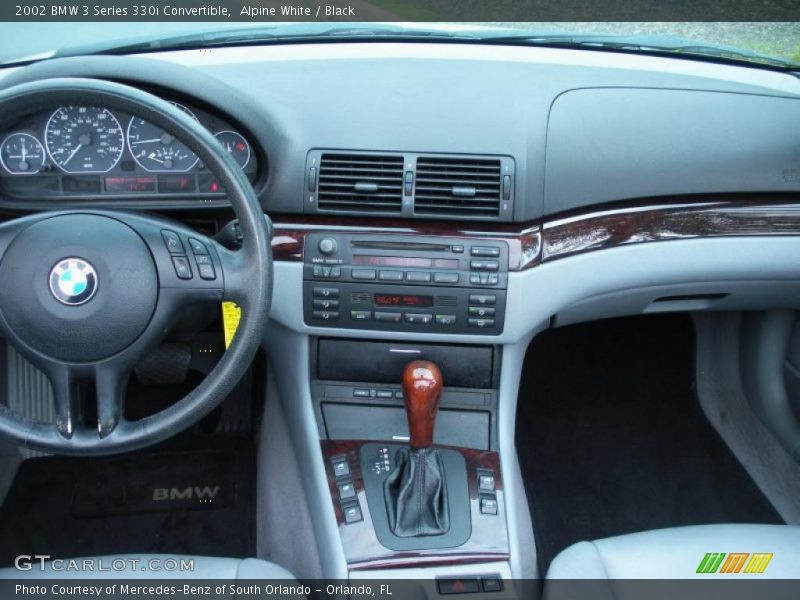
point(405, 261)
point(403, 300)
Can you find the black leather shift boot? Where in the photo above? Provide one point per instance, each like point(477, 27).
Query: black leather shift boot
point(416, 494)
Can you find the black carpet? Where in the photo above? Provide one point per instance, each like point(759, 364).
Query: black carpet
point(612, 440)
point(195, 498)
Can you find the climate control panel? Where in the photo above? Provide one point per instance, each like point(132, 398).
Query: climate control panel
point(405, 283)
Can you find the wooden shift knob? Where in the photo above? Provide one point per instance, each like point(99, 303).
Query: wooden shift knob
point(422, 388)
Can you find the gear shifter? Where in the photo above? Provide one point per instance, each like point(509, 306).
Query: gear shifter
point(416, 491)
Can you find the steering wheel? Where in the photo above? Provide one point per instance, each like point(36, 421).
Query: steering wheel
point(85, 294)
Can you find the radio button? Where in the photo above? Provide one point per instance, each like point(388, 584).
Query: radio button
point(327, 272)
point(327, 245)
point(484, 265)
point(482, 298)
point(388, 317)
point(328, 292)
point(418, 319)
point(481, 311)
point(390, 275)
point(385, 394)
point(326, 304)
point(445, 277)
point(480, 322)
point(363, 273)
point(360, 315)
point(361, 393)
point(484, 278)
point(326, 315)
point(445, 319)
point(457, 249)
point(418, 276)
point(484, 251)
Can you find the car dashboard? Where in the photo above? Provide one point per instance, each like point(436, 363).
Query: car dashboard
point(448, 201)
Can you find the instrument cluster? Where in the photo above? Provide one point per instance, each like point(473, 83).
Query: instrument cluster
point(92, 152)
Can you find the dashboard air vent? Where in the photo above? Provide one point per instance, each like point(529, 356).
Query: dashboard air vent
point(360, 183)
point(458, 187)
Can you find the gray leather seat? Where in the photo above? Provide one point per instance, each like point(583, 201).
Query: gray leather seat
point(677, 553)
point(140, 566)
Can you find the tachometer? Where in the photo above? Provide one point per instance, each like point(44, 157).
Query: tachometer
point(158, 151)
point(84, 139)
point(22, 154)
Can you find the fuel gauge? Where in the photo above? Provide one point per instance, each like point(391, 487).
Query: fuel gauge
point(22, 154)
point(235, 145)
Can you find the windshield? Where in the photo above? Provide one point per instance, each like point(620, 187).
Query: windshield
point(772, 44)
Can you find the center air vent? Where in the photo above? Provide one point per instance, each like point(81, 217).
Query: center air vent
point(360, 183)
point(410, 185)
point(458, 187)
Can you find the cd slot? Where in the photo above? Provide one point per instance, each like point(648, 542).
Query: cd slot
point(388, 245)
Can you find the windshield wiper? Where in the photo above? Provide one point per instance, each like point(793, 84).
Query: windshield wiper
point(651, 45)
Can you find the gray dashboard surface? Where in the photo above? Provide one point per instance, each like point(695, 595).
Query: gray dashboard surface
point(738, 129)
point(615, 144)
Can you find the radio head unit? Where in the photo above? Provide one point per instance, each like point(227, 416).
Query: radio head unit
point(405, 283)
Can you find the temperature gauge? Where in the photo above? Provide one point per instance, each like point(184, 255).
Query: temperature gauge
point(236, 146)
point(22, 154)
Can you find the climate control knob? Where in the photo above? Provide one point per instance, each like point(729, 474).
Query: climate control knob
point(327, 245)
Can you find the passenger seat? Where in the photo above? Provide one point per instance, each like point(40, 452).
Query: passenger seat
point(765, 551)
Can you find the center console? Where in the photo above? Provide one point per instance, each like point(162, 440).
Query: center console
point(404, 283)
point(407, 432)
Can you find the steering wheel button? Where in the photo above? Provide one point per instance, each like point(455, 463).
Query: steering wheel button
point(182, 268)
point(206, 271)
point(172, 241)
point(197, 246)
point(202, 259)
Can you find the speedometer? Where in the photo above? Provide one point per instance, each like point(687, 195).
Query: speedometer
point(84, 139)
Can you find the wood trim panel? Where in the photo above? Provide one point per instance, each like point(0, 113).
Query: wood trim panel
point(536, 242)
point(597, 231)
point(488, 541)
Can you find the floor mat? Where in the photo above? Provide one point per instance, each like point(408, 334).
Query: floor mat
point(173, 499)
point(612, 440)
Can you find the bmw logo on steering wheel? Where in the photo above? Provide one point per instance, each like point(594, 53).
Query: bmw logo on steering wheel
point(73, 281)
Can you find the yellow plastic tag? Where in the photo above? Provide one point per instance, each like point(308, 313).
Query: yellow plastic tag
point(231, 314)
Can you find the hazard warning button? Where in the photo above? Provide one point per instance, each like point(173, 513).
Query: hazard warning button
point(464, 585)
